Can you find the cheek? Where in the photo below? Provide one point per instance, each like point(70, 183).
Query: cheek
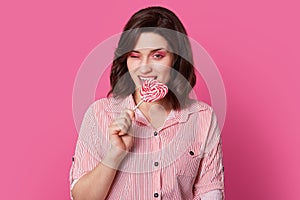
point(168, 73)
point(131, 65)
point(168, 61)
point(167, 69)
point(165, 75)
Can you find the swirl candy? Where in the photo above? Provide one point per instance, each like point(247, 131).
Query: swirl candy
point(152, 91)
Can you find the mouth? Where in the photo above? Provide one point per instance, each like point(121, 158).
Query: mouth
point(146, 78)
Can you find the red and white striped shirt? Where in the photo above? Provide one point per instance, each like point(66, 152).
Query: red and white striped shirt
point(180, 160)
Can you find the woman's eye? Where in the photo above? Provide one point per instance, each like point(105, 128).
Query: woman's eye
point(158, 56)
point(133, 55)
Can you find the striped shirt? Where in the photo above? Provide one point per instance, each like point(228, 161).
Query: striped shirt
point(180, 160)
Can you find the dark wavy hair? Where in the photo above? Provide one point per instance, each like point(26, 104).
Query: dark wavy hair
point(165, 23)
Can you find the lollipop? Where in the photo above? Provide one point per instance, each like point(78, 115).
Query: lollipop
point(152, 91)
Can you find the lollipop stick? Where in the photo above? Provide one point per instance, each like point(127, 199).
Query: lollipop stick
point(138, 105)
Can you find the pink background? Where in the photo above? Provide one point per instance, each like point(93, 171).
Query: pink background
point(255, 45)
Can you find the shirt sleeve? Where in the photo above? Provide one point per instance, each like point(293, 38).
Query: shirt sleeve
point(87, 152)
point(212, 195)
point(211, 172)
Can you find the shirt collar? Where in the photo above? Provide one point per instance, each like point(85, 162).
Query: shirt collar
point(194, 106)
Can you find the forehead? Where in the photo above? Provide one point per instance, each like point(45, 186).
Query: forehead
point(150, 40)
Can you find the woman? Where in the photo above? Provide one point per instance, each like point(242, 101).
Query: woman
point(167, 149)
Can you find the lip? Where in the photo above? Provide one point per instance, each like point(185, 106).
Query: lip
point(144, 78)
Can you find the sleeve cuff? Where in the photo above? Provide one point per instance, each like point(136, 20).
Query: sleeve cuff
point(213, 195)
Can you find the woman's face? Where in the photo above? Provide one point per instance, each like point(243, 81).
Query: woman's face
point(150, 59)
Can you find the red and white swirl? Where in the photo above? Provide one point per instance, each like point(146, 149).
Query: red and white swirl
point(152, 91)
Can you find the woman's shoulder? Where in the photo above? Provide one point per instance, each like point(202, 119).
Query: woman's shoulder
point(110, 104)
point(101, 103)
point(195, 105)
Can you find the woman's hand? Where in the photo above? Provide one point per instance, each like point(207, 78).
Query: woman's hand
point(120, 140)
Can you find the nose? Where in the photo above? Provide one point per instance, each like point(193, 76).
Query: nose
point(145, 66)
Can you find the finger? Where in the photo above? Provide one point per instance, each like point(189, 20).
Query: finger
point(119, 129)
point(130, 113)
point(124, 122)
point(114, 129)
point(127, 114)
point(121, 124)
point(121, 133)
point(128, 141)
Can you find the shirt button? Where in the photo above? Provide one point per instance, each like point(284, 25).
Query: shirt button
point(155, 133)
point(156, 164)
point(156, 195)
point(192, 153)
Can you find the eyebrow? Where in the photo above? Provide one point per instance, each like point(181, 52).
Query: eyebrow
point(154, 50)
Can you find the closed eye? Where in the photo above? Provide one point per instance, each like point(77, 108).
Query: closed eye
point(134, 55)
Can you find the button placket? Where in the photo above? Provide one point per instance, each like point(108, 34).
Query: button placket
point(156, 166)
point(156, 181)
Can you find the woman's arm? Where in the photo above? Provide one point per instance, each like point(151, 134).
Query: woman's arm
point(209, 183)
point(96, 183)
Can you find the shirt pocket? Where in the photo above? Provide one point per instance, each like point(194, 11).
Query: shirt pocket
point(188, 163)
